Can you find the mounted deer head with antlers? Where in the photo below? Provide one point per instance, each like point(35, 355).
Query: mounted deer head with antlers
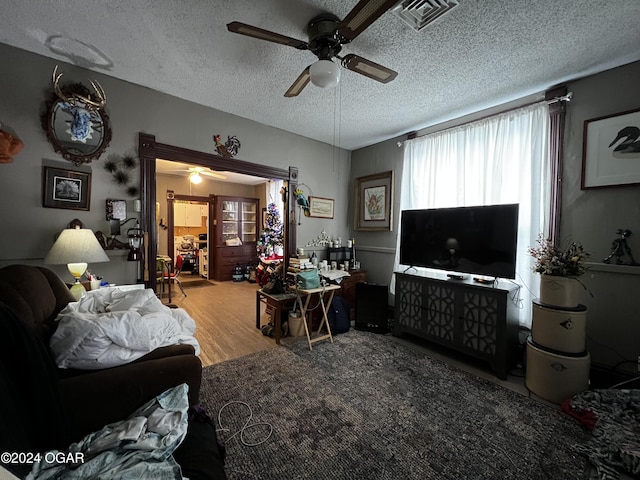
point(80, 107)
point(76, 98)
point(75, 120)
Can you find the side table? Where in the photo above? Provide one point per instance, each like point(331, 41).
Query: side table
point(304, 307)
point(280, 302)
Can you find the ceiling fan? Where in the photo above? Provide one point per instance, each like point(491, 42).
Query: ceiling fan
point(327, 35)
point(196, 174)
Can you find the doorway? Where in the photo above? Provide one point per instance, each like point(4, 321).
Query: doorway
point(187, 239)
point(149, 150)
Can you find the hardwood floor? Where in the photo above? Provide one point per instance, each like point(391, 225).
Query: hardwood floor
point(225, 316)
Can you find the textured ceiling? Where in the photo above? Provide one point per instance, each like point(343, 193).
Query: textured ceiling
point(480, 54)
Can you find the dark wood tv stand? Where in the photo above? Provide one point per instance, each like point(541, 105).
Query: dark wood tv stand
point(476, 319)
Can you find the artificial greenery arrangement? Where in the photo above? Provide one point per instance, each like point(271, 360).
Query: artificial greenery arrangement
point(552, 260)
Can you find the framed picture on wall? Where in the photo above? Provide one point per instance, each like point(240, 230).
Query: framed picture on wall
point(66, 189)
point(374, 202)
point(116, 209)
point(321, 207)
point(611, 150)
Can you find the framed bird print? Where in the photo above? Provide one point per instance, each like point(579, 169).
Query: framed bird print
point(611, 150)
point(374, 202)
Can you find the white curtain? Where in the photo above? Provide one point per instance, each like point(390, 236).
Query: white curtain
point(274, 196)
point(498, 160)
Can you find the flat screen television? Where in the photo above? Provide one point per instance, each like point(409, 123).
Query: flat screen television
point(479, 240)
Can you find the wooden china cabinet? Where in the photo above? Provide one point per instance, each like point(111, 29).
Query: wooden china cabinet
point(236, 233)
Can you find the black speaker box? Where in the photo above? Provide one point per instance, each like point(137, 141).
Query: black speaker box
point(371, 308)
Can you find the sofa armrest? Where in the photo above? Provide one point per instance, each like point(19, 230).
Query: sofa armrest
point(96, 399)
point(168, 351)
point(158, 353)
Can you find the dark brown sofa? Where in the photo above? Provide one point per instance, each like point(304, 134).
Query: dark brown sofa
point(30, 299)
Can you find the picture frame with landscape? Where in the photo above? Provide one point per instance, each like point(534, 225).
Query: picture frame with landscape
point(321, 207)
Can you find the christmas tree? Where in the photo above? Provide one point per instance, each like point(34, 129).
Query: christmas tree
point(272, 235)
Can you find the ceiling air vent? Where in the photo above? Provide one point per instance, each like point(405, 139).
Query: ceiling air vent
point(420, 13)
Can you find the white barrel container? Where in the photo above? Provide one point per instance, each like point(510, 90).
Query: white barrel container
point(556, 377)
point(559, 291)
point(561, 329)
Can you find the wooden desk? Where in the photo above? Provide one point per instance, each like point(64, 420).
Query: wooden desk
point(348, 286)
point(304, 306)
point(280, 302)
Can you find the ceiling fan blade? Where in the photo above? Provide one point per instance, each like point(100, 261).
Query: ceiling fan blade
point(255, 32)
point(213, 174)
point(299, 84)
point(368, 68)
point(203, 171)
point(361, 16)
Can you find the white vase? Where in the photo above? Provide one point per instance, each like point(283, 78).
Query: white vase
point(559, 291)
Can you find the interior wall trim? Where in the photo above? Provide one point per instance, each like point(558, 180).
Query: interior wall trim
point(369, 248)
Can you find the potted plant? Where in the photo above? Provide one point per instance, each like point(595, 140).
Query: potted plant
point(560, 270)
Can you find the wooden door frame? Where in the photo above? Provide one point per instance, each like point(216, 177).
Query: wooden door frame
point(171, 218)
point(149, 150)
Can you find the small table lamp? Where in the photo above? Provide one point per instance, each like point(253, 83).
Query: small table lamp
point(76, 247)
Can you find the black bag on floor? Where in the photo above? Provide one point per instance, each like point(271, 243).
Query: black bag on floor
point(201, 454)
point(338, 315)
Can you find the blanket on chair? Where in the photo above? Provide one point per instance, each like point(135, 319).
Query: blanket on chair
point(139, 447)
point(109, 327)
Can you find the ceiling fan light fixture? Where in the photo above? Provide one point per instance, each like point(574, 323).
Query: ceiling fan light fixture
point(324, 74)
point(195, 178)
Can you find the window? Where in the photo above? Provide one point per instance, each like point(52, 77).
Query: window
point(497, 160)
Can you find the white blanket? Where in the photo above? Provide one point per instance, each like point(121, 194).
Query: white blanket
point(109, 327)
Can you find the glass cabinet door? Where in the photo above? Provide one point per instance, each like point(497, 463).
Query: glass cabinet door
point(249, 224)
point(229, 220)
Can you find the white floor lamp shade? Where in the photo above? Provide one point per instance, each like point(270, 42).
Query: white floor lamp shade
point(76, 247)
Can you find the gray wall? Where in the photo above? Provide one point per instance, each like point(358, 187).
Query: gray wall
point(591, 216)
point(376, 250)
point(28, 229)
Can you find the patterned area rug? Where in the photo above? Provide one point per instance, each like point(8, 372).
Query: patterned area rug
point(367, 407)
point(615, 417)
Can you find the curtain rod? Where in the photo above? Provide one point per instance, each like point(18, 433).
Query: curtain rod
point(561, 98)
